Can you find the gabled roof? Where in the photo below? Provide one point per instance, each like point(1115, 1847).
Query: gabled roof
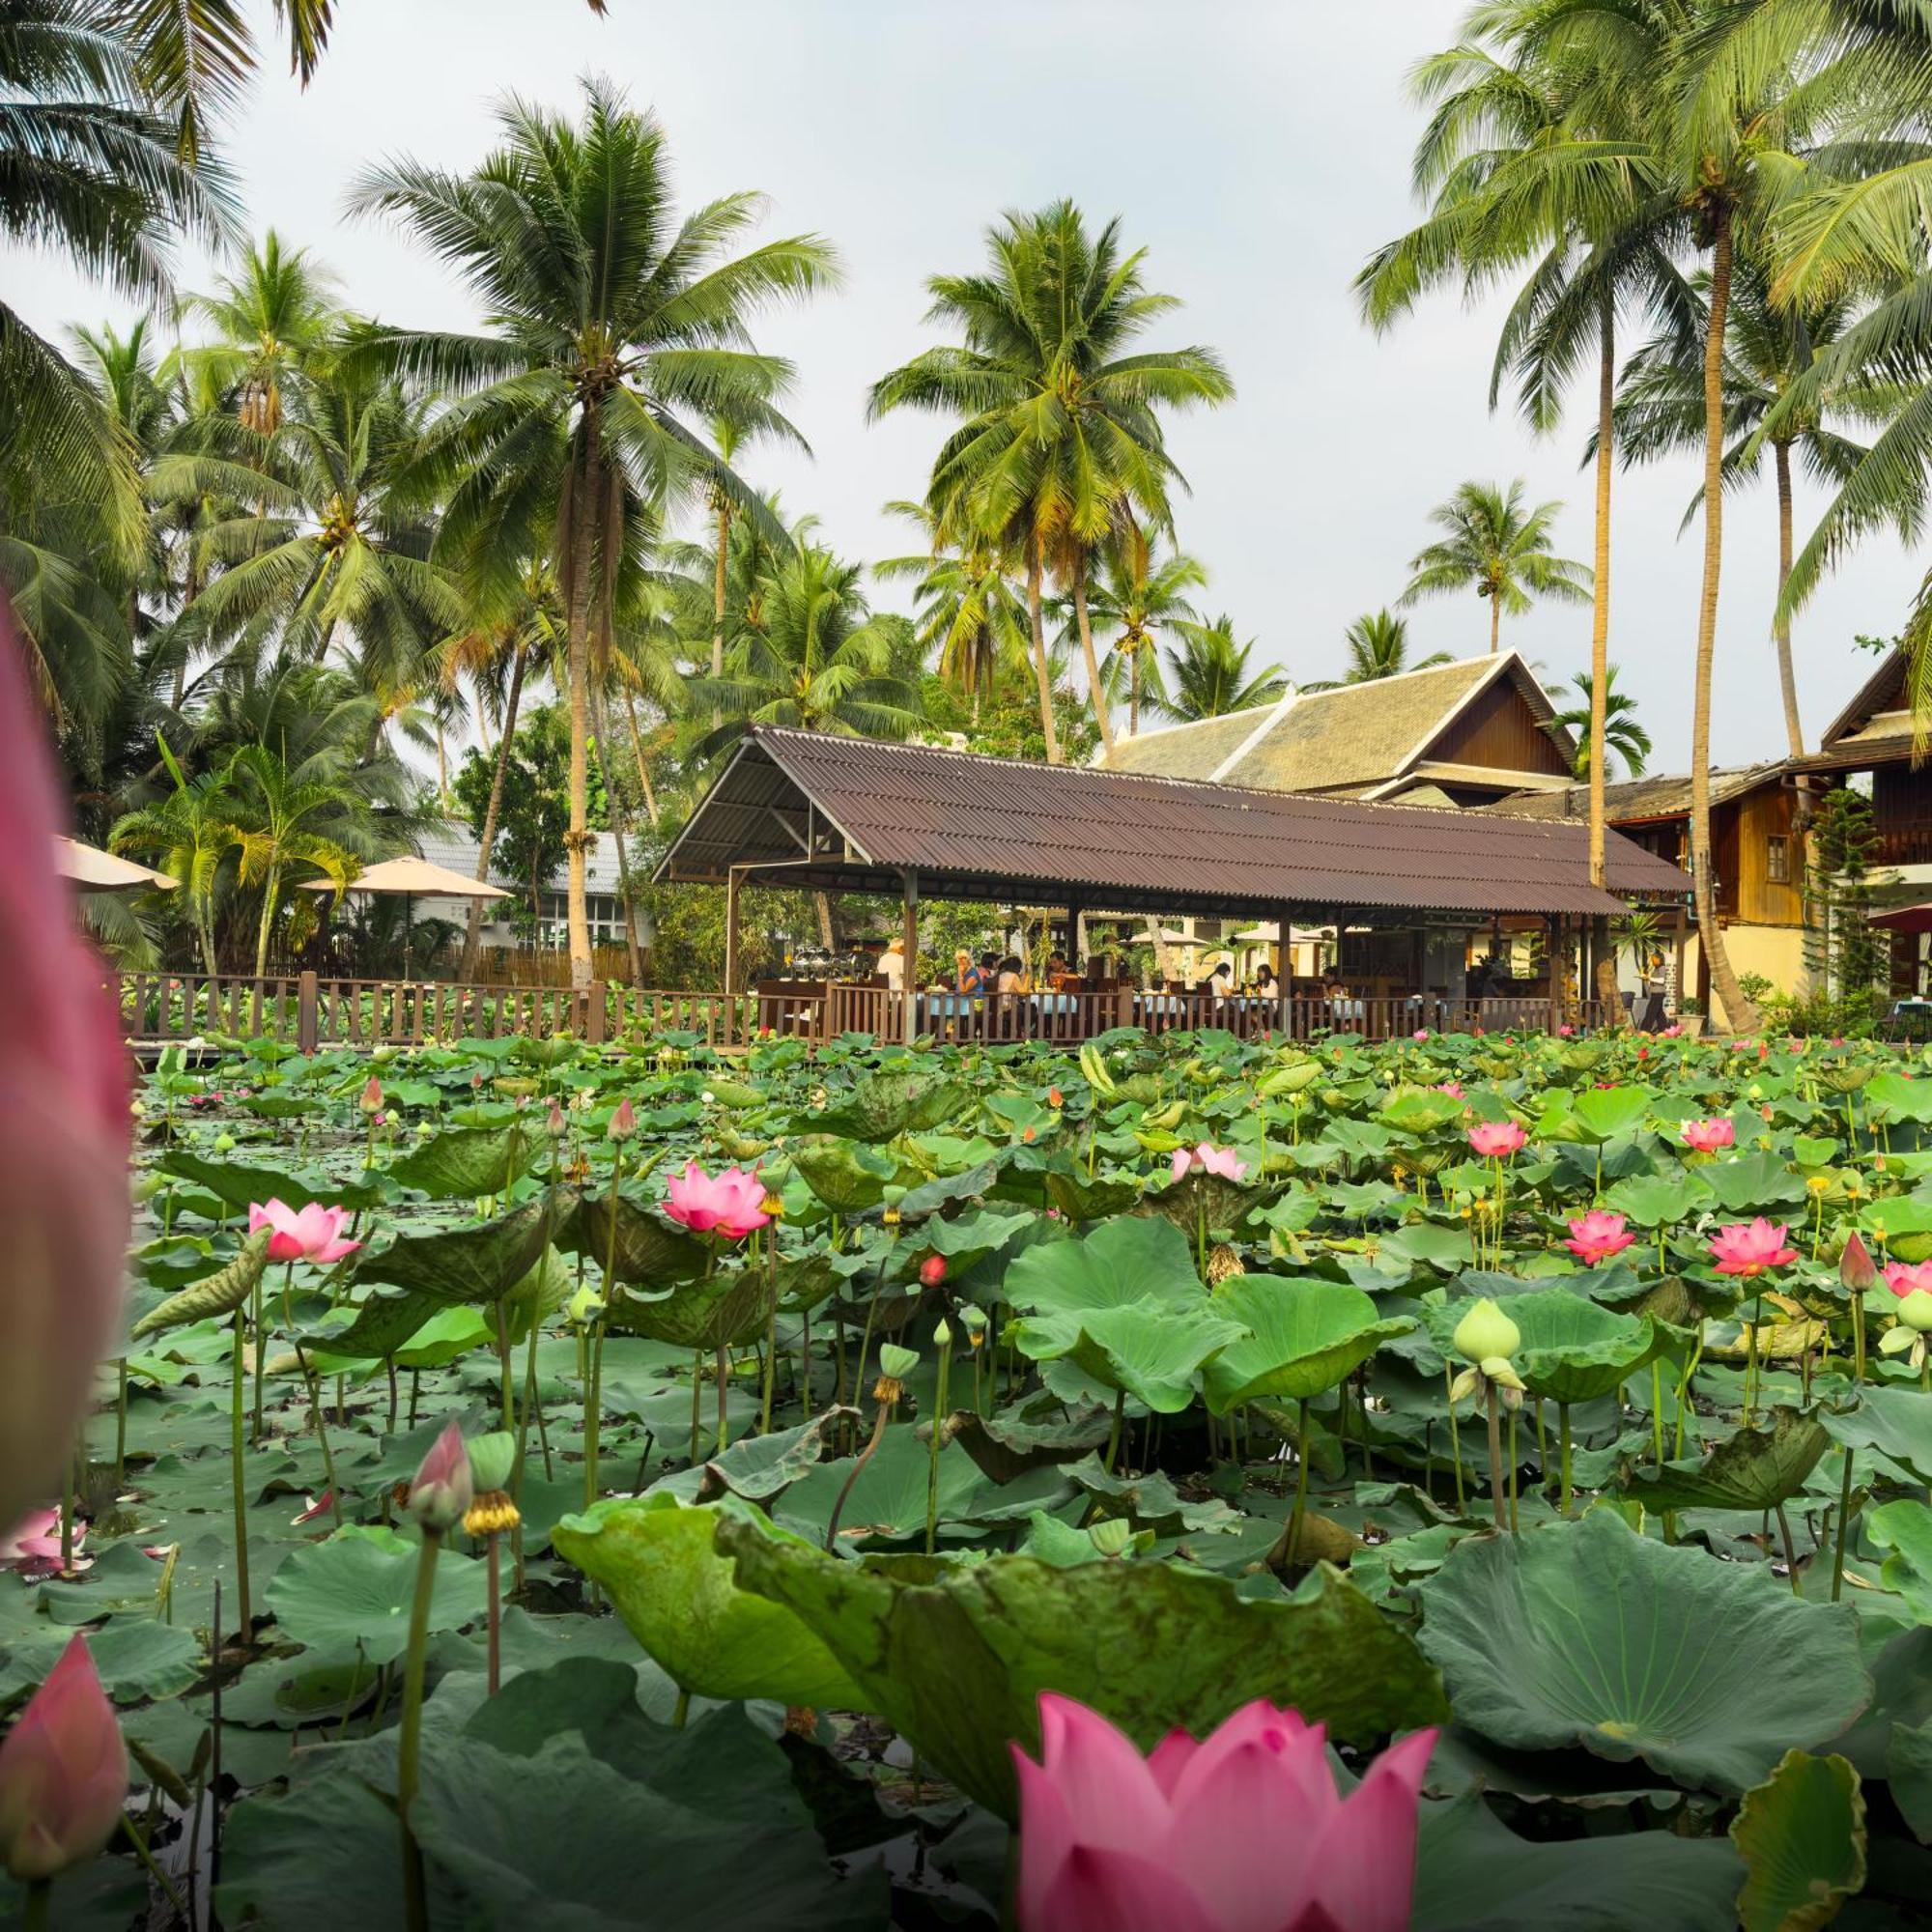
point(1875, 728)
point(1637, 800)
point(1882, 691)
point(811, 809)
point(1352, 735)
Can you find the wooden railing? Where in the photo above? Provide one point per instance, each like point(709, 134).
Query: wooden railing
point(312, 1012)
point(1907, 842)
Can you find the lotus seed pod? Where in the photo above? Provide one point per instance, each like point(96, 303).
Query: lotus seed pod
point(1916, 1310)
point(491, 1458)
point(896, 1362)
point(1111, 1535)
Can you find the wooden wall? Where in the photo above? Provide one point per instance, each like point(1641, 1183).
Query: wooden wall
point(1501, 730)
point(1744, 858)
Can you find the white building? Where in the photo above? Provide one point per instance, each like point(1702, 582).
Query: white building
point(453, 844)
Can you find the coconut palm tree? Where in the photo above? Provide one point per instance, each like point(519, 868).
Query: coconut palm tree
point(615, 331)
point(272, 323)
point(971, 616)
point(275, 829)
point(1138, 593)
point(1659, 411)
point(819, 659)
point(187, 833)
point(1624, 738)
point(1377, 645)
point(1498, 546)
point(1525, 186)
point(1207, 673)
point(1060, 434)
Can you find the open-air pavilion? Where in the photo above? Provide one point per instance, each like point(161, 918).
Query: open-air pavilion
point(809, 810)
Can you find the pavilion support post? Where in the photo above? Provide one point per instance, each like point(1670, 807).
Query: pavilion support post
point(734, 881)
point(909, 879)
point(1284, 980)
point(305, 1013)
point(1679, 940)
point(1554, 949)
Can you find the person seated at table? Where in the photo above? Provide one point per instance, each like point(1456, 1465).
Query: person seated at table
point(1059, 974)
point(968, 975)
point(1265, 985)
point(892, 965)
point(1014, 977)
point(1220, 981)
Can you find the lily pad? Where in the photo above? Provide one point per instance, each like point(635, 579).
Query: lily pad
point(1588, 1633)
point(955, 1658)
point(1750, 1470)
point(1304, 1336)
point(354, 1591)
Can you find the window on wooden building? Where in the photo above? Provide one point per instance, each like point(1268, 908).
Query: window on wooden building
point(1778, 859)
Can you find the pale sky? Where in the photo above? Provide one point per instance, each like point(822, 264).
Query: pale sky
point(1257, 149)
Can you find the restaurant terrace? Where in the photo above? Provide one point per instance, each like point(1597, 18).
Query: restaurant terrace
point(811, 810)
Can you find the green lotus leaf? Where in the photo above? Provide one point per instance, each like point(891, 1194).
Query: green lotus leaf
point(1753, 1182)
point(1079, 1199)
point(955, 1658)
point(1148, 1348)
point(886, 1105)
point(238, 1185)
point(1573, 1350)
point(1908, 1773)
point(1655, 1200)
point(847, 1179)
point(1588, 1633)
point(355, 1589)
point(1801, 1836)
point(1607, 1113)
point(1114, 1265)
point(654, 1557)
point(733, 1306)
point(1304, 1336)
point(651, 1252)
point(887, 1502)
point(462, 1163)
point(1909, 1099)
point(214, 1295)
point(1904, 1530)
point(1751, 1469)
point(482, 1261)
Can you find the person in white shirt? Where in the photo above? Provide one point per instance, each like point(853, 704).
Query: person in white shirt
point(892, 965)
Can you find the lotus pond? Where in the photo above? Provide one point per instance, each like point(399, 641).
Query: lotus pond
point(1567, 1396)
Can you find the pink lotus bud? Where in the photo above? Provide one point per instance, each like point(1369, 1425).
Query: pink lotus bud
point(64, 1121)
point(63, 1772)
point(932, 1270)
point(553, 1122)
point(624, 1121)
point(442, 1489)
point(371, 1101)
point(1110, 1839)
point(1856, 1267)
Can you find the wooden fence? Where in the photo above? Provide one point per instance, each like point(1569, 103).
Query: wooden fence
point(312, 1012)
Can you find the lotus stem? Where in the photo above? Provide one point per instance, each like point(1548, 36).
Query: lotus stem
point(696, 1401)
point(1858, 1335)
point(1657, 1411)
point(313, 1384)
point(1790, 1552)
point(1684, 1408)
point(1844, 1519)
point(1292, 1552)
point(492, 1544)
point(1113, 1433)
point(1515, 1463)
point(865, 1456)
point(593, 1409)
point(1563, 1453)
point(236, 1419)
point(409, 1744)
point(938, 1428)
point(121, 1423)
point(771, 1339)
point(34, 1908)
point(256, 1429)
point(1455, 1437)
point(724, 1362)
point(1497, 1501)
point(1750, 1358)
point(67, 1514)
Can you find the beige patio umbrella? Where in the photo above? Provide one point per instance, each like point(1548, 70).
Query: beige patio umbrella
point(93, 871)
point(412, 878)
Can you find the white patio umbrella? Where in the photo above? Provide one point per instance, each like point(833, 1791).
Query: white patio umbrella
point(97, 871)
point(412, 878)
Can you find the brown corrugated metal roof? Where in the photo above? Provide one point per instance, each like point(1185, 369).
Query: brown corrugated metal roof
point(1635, 800)
point(980, 827)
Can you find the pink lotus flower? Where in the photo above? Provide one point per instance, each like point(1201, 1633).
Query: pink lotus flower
point(1421, 1033)
point(313, 1507)
point(1565, 1032)
point(1749, 1250)
point(932, 1270)
point(1453, 1088)
point(34, 1547)
point(63, 1772)
point(1595, 1236)
point(311, 1234)
point(1213, 1159)
point(730, 1203)
point(443, 1487)
point(1241, 1833)
point(63, 1120)
point(1494, 1140)
point(1708, 1136)
point(1905, 1278)
point(1673, 1030)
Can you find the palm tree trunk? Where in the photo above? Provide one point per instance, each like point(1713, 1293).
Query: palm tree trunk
point(1495, 625)
point(1134, 692)
point(1101, 716)
point(1600, 588)
point(644, 784)
point(577, 840)
point(270, 896)
point(441, 768)
point(482, 720)
point(717, 603)
point(1738, 1011)
point(1041, 674)
point(618, 838)
point(1787, 679)
point(473, 938)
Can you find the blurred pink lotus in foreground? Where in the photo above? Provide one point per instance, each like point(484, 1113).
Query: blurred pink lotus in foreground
point(1495, 1139)
point(1905, 1278)
point(1749, 1249)
point(1211, 1158)
point(34, 1547)
point(730, 1203)
point(63, 1772)
point(1708, 1136)
point(1241, 1833)
point(311, 1234)
point(64, 1120)
point(1595, 1236)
